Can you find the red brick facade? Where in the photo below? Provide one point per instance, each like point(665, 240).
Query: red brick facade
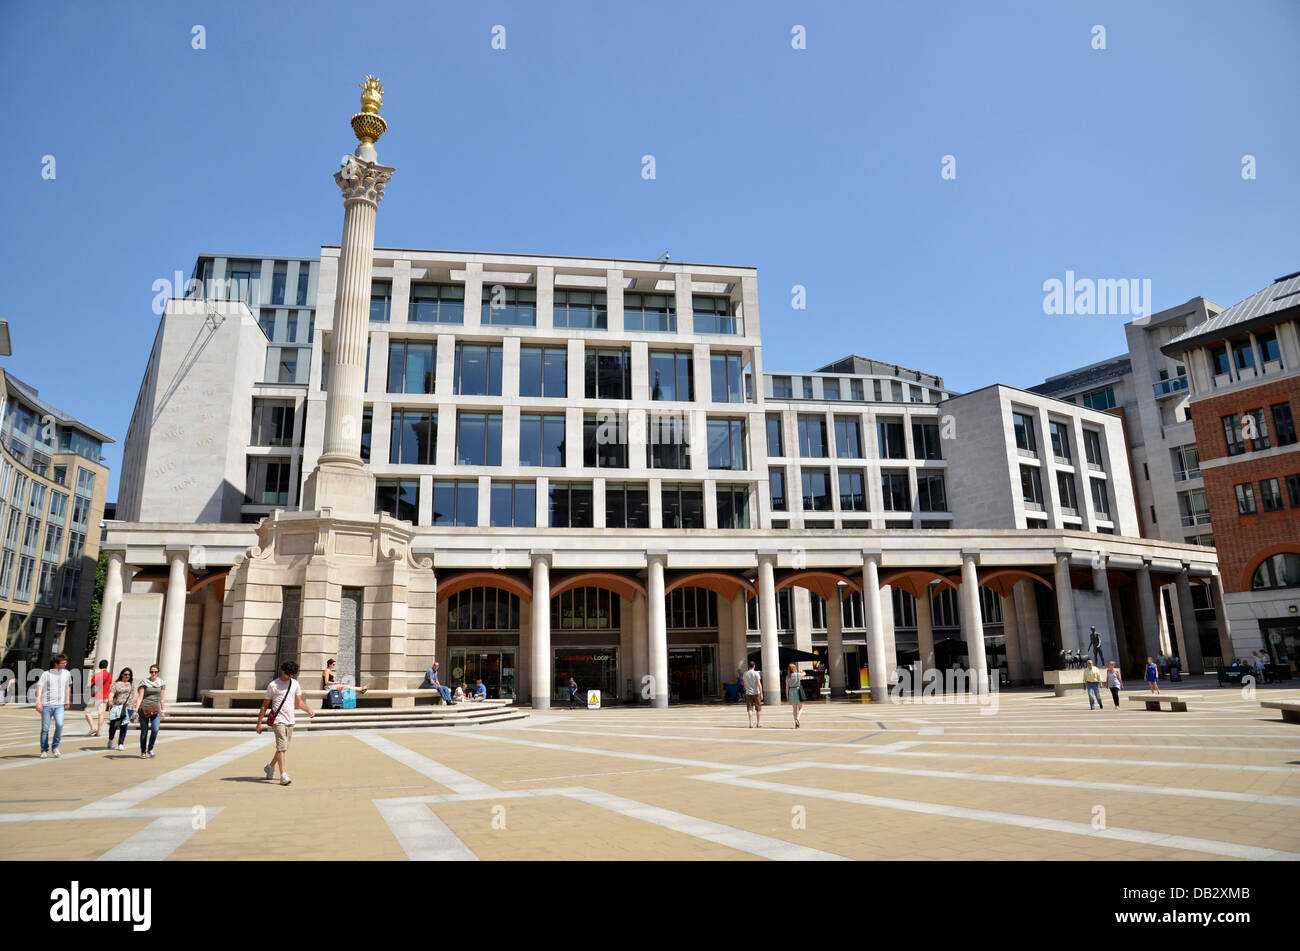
point(1243, 540)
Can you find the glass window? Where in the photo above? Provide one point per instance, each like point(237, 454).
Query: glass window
point(268, 483)
point(925, 440)
point(1278, 571)
point(508, 306)
point(571, 505)
point(1060, 435)
point(683, 506)
point(1293, 490)
point(604, 441)
point(855, 390)
point(381, 299)
point(304, 276)
point(1260, 439)
point(436, 304)
point(895, 491)
point(1092, 448)
point(1065, 489)
point(890, 435)
point(670, 376)
point(1268, 347)
point(713, 315)
point(668, 442)
point(541, 440)
point(853, 491)
point(1245, 498)
point(585, 609)
point(36, 501)
point(930, 493)
point(272, 422)
point(830, 389)
point(848, 438)
point(627, 506)
point(1232, 436)
point(726, 370)
point(650, 312)
point(455, 503)
point(776, 486)
point(478, 370)
point(414, 437)
point(481, 609)
point(266, 320)
point(580, 310)
point(781, 388)
point(608, 374)
point(58, 507)
point(1283, 423)
point(53, 541)
point(1031, 488)
point(478, 439)
point(816, 485)
point(278, 278)
point(367, 424)
point(812, 437)
point(1243, 355)
point(411, 367)
point(514, 504)
point(1101, 399)
point(1222, 365)
point(807, 388)
point(733, 506)
point(1026, 439)
point(1100, 498)
point(726, 443)
point(774, 435)
point(543, 371)
point(1270, 495)
point(288, 365)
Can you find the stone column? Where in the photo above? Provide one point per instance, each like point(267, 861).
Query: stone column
point(1221, 617)
point(1109, 637)
point(739, 640)
point(1188, 629)
point(973, 622)
point(877, 663)
point(1065, 603)
point(173, 630)
point(767, 627)
point(106, 638)
point(541, 645)
point(1147, 610)
point(210, 640)
point(658, 628)
point(1026, 598)
point(925, 630)
point(640, 646)
point(835, 642)
point(1011, 630)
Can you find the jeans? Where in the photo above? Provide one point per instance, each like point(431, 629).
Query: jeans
point(1114, 692)
point(1094, 690)
point(149, 731)
point(446, 693)
point(118, 727)
point(48, 711)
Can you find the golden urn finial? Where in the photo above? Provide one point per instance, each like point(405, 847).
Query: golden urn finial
point(368, 124)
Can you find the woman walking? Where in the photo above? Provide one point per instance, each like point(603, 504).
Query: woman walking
point(1115, 682)
point(794, 692)
point(1153, 675)
point(150, 708)
point(119, 707)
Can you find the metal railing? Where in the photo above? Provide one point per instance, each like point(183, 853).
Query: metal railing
point(1165, 388)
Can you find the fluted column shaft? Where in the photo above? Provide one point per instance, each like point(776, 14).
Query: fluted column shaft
point(658, 627)
point(541, 646)
point(878, 665)
point(169, 655)
point(106, 637)
point(973, 621)
point(835, 642)
point(769, 643)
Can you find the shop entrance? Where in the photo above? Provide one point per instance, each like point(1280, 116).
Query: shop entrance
point(1283, 639)
point(692, 673)
point(593, 668)
point(495, 666)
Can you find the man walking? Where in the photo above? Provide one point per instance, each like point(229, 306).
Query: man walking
point(282, 695)
point(96, 695)
point(753, 686)
point(1092, 679)
point(53, 694)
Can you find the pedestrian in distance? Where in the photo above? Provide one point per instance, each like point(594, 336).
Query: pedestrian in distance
point(282, 695)
point(150, 710)
point(1153, 675)
point(1176, 669)
point(794, 690)
point(53, 694)
point(573, 692)
point(120, 710)
point(753, 686)
point(1092, 680)
point(95, 697)
point(1115, 682)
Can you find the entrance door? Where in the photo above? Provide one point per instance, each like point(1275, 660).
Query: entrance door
point(684, 676)
point(1283, 639)
point(496, 668)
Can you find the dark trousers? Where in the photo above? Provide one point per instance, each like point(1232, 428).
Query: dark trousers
point(149, 731)
point(119, 726)
point(1114, 692)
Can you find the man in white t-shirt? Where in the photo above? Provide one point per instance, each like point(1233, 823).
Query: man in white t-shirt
point(282, 695)
point(752, 682)
point(53, 694)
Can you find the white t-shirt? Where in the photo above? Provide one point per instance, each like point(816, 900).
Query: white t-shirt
point(753, 682)
point(53, 687)
point(274, 691)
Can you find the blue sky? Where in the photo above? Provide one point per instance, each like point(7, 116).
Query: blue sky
point(820, 166)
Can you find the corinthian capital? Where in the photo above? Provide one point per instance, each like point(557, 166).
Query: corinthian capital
point(365, 180)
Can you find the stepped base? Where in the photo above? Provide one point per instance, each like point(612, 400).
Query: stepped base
point(362, 718)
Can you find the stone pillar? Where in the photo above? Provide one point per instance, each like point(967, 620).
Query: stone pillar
point(887, 625)
point(173, 630)
point(541, 645)
point(1065, 603)
point(1189, 630)
point(1011, 630)
point(739, 641)
point(877, 663)
point(1221, 618)
point(106, 637)
point(925, 630)
point(640, 647)
point(658, 628)
point(835, 642)
point(1109, 636)
point(1026, 597)
point(973, 622)
point(210, 639)
point(767, 627)
point(1147, 611)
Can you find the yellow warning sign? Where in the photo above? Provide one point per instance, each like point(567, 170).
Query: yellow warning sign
point(593, 699)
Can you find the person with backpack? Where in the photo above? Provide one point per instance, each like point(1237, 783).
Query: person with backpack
point(282, 695)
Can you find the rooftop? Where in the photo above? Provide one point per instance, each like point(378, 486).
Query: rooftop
point(1278, 301)
point(1111, 368)
point(28, 394)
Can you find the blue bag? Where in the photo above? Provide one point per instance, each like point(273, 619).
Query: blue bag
point(349, 699)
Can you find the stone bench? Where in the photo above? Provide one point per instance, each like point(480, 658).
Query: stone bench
point(228, 699)
point(1290, 709)
point(1153, 700)
point(1063, 681)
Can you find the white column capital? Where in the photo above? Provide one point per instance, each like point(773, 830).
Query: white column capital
point(362, 181)
point(541, 554)
point(871, 558)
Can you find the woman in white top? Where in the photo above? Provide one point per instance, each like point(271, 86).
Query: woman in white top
point(1114, 681)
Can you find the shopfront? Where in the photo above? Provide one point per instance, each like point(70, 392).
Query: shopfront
point(1282, 636)
point(693, 673)
point(593, 668)
point(496, 667)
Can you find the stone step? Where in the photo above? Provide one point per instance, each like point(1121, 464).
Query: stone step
point(350, 723)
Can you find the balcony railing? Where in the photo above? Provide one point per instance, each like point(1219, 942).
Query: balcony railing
point(1196, 519)
point(1182, 475)
point(1165, 388)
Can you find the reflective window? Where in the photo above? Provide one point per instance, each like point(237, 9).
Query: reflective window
point(627, 506)
point(650, 312)
point(478, 370)
point(411, 367)
point(543, 371)
point(455, 503)
point(437, 304)
point(541, 440)
point(478, 439)
point(670, 376)
point(514, 504)
point(506, 306)
point(580, 310)
point(414, 439)
point(683, 506)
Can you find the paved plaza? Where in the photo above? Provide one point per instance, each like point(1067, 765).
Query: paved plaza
point(1040, 778)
